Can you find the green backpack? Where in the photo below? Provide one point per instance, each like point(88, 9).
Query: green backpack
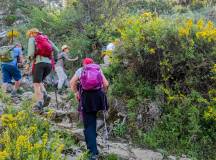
point(6, 53)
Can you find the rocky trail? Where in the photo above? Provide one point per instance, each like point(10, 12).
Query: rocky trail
point(65, 118)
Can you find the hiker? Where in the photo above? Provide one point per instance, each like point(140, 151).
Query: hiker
point(10, 68)
point(92, 98)
point(40, 51)
point(108, 53)
point(59, 67)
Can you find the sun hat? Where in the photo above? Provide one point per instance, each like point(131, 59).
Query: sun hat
point(64, 47)
point(33, 30)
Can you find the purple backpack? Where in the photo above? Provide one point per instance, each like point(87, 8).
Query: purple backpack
point(91, 77)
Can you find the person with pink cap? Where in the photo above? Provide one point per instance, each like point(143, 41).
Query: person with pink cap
point(92, 98)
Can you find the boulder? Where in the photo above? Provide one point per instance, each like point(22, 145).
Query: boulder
point(27, 95)
point(171, 158)
point(141, 154)
point(2, 106)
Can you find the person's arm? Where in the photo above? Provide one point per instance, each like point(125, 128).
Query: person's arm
point(105, 83)
point(73, 85)
point(55, 49)
point(31, 48)
point(30, 52)
point(21, 59)
point(70, 59)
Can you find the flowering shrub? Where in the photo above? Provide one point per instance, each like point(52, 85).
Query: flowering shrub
point(176, 57)
point(26, 137)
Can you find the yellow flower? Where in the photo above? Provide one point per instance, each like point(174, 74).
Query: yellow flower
point(152, 51)
point(37, 146)
point(109, 53)
point(3, 155)
point(210, 114)
point(183, 32)
point(13, 33)
point(21, 144)
point(50, 113)
point(21, 116)
point(44, 139)
point(60, 148)
point(5, 138)
point(214, 68)
point(210, 25)
point(7, 119)
point(200, 24)
point(32, 130)
point(189, 23)
point(147, 14)
point(12, 125)
point(129, 21)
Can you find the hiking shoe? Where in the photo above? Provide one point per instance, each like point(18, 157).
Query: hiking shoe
point(13, 93)
point(60, 91)
point(47, 100)
point(38, 107)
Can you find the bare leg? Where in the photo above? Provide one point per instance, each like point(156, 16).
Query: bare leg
point(43, 89)
point(17, 85)
point(38, 93)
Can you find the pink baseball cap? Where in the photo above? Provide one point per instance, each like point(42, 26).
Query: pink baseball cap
point(87, 61)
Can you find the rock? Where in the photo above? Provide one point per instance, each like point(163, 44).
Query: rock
point(146, 154)
point(65, 125)
point(171, 158)
point(64, 116)
point(184, 157)
point(69, 157)
point(148, 115)
point(120, 149)
point(2, 106)
point(78, 133)
point(100, 123)
point(53, 98)
point(27, 83)
point(27, 95)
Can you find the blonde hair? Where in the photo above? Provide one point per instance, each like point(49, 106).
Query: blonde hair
point(33, 30)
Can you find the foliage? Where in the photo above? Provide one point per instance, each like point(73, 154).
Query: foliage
point(111, 157)
point(83, 156)
point(10, 19)
point(27, 137)
point(169, 54)
point(119, 129)
point(163, 56)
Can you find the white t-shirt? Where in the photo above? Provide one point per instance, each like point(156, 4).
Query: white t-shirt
point(79, 72)
point(110, 47)
point(106, 60)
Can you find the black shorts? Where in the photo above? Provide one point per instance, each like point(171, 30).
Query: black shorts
point(41, 71)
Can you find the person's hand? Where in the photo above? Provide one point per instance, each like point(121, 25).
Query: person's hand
point(105, 89)
point(27, 67)
point(20, 65)
point(77, 95)
point(76, 58)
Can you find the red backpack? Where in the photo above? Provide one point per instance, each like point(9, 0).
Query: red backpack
point(43, 46)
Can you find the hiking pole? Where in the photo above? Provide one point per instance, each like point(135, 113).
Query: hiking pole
point(55, 89)
point(106, 136)
point(56, 97)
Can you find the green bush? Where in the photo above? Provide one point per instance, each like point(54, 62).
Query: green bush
point(177, 57)
point(10, 19)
